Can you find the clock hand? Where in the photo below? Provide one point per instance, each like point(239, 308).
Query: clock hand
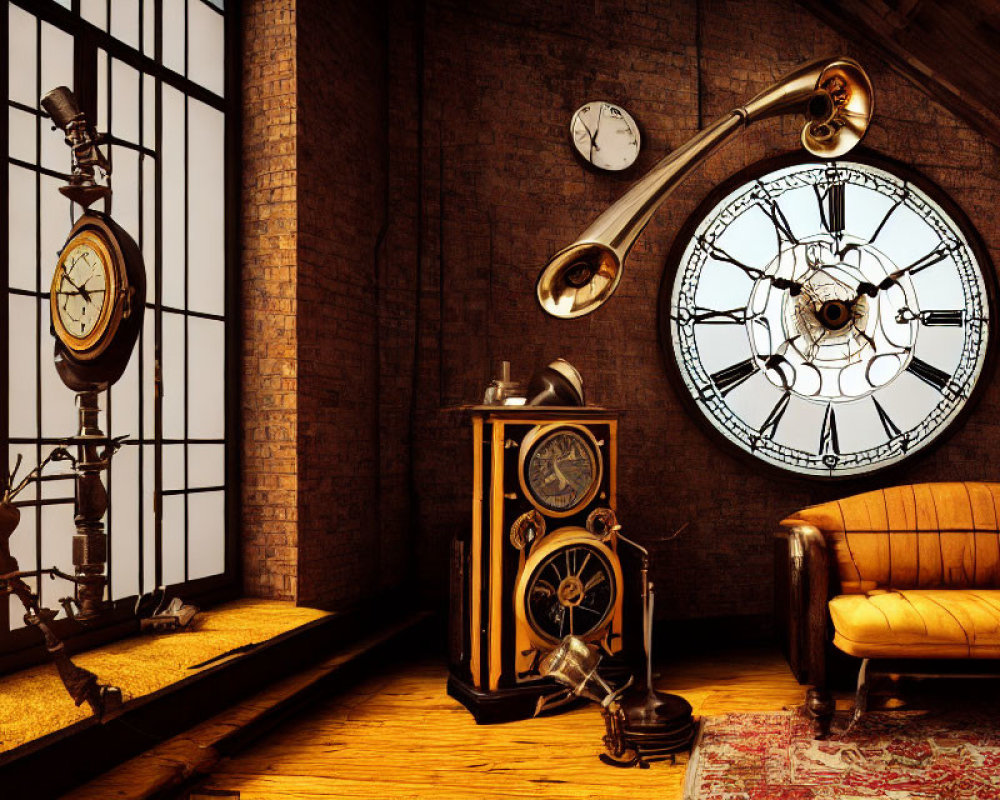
point(562, 478)
point(938, 254)
point(80, 294)
point(593, 138)
point(83, 292)
point(794, 287)
point(598, 578)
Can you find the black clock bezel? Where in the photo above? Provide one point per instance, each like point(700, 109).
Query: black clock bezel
point(532, 579)
point(861, 155)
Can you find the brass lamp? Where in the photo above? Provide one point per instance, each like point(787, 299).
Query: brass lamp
point(574, 664)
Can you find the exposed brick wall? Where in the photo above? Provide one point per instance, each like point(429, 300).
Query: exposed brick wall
point(342, 210)
point(269, 491)
point(502, 191)
point(314, 219)
point(434, 178)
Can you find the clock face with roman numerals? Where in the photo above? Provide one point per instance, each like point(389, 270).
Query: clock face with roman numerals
point(829, 318)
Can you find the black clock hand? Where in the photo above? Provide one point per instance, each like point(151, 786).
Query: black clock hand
point(80, 290)
point(81, 293)
point(935, 256)
point(794, 287)
point(593, 139)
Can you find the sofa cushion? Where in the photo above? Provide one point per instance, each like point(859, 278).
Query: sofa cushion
point(918, 623)
point(919, 536)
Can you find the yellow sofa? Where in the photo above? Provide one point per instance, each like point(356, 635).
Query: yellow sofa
point(906, 572)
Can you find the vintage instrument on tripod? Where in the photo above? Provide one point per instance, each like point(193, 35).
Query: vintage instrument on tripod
point(835, 97)
point(540, 560)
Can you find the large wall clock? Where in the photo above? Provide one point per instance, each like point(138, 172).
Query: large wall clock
point(829, 319)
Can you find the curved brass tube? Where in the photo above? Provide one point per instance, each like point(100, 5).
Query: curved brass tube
point(835, 97)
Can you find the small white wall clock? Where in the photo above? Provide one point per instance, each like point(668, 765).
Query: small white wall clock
point(605, 135)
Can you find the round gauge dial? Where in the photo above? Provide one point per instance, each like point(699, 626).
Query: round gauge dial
point(83, 292)
point(572, 591)
point(605, 135)
point(829, 319)
point(562, 470)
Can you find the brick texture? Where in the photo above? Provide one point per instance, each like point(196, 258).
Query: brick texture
point(434, 178)
point(342, 212)
point(268, 285)
point(502, 191)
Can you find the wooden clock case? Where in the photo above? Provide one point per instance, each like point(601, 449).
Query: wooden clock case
point(494, 649)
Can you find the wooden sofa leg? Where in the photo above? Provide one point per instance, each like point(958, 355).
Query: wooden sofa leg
point(820, 705)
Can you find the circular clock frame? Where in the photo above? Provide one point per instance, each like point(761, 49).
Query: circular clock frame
point(98, 361)
point(553, 546)
point(538, 436)
point(92, 344)
point(911, 176)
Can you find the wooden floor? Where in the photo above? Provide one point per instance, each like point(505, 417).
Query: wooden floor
point(398, 735)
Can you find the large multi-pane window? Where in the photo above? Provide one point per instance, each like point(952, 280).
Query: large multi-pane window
point(156, 74)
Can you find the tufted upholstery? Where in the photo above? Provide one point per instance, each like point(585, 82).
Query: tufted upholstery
point(920, 623)
point(919, 570)
point(921, 536)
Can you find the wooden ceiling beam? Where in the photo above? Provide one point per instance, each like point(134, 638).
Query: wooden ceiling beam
point(949, 51)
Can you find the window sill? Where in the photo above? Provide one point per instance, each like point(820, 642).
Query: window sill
point(83, 748)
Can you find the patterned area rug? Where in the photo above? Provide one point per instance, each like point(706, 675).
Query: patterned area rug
point(942, 754)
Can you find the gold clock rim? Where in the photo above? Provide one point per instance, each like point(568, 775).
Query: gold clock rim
point(94, 343)
point(569, 536)
point(535, 436)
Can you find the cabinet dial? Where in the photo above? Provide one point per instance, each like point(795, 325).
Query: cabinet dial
point(560, 468)
point(571, 592)
point(829, 319)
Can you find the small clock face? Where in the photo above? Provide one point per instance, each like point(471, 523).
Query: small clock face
point(571, 592)
point(829, 319)
point(82, 290)
point(82, 293)
point(605, 135)
point(562, 471)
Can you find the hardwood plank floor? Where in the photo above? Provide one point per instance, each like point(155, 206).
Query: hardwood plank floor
point(398, 735)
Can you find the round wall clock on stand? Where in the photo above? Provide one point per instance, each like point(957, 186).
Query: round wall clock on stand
point(829, 319)
point(97, 300)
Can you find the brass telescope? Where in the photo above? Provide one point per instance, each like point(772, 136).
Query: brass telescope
point(835, 97)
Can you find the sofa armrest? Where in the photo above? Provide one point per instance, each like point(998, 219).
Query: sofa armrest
point(808, 586)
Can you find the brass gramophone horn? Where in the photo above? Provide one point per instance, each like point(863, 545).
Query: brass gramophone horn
point(834, 95)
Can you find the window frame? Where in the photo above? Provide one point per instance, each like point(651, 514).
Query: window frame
point(21, 647)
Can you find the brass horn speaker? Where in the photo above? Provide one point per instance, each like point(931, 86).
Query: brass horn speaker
point(834, 96)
